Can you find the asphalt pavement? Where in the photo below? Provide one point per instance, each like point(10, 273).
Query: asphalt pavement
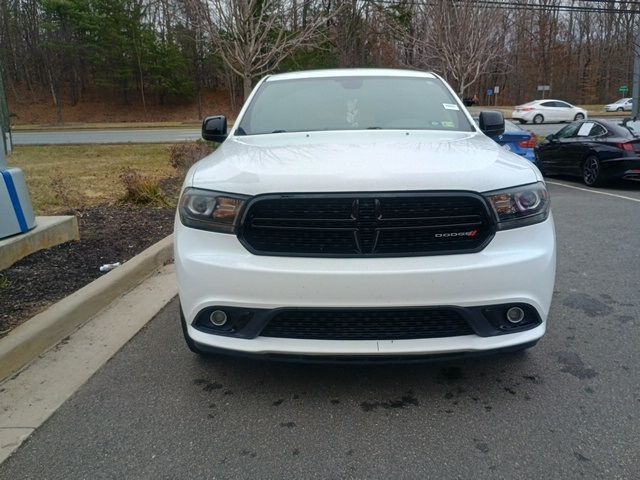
point(156, 135)
point(568, 408)
point(90, 136)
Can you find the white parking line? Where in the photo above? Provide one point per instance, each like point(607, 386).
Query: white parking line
point(595, 191)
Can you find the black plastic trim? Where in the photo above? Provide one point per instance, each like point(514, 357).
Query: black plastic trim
point(364, 359)
point(483, 320)
point(490, 217)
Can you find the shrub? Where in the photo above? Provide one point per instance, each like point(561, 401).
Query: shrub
point(183, 155)
point(140, 190)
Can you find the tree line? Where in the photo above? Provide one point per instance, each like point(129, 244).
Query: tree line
point(151, 51)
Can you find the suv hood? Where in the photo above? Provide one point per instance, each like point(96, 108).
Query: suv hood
point(360, 161)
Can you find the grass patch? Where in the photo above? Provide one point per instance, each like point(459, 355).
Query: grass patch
point(71, 176)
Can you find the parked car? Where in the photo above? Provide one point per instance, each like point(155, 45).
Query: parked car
point(362, 213)
point(624, 104)
point(517, 140)
point(594, 150)
point(548, 111)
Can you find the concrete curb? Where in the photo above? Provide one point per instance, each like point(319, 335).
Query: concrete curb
point(49, 232)
point(46, 329)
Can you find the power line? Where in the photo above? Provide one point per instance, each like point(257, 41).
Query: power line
point(564, 7)
point(515, 5)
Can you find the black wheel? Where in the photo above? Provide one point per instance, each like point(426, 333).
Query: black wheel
point(538, 119)
point(620, 109)
point(193, 346)
point(592, 172)
point(578, 117)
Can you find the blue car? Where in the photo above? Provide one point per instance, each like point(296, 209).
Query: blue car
point(517, 140)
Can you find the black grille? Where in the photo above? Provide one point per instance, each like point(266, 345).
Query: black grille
point(367, 225)
point(365, 324)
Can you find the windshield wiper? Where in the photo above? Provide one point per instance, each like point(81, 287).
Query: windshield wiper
point(374, 128)
point(240, 131)
point(279, 131)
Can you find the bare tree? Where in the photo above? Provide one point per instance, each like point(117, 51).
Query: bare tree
point(463, 41)
point(254, 36)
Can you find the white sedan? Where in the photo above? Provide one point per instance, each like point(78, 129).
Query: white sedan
point(541, 111)
point(624, 104)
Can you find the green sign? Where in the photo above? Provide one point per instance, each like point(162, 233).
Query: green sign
point(623, 89)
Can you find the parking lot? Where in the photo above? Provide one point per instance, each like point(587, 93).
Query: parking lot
point(568, 408)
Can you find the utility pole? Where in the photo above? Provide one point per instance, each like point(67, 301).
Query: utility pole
point(16, 212)
point(5, 121)
point(3, 161)
point(636, 75)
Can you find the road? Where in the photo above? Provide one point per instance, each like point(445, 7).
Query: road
point(156, 135)
point(569, 408)
point(89, 136)
point(549, 128)
point(543, 129)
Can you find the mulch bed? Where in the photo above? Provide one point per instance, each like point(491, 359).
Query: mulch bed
point(108, 234)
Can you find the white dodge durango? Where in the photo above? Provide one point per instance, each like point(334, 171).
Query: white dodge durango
point(362, 214)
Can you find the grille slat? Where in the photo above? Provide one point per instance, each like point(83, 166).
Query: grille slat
point(366, 224)
point(400, 324)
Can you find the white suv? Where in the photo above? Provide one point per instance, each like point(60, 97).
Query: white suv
point(361, 213)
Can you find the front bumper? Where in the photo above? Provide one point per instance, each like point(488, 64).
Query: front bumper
point(518, 266)
point(624, 167)
point(526, 116)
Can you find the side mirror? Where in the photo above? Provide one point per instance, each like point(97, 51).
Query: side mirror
point(214, 129)
point(551, 138)
point(491, 123)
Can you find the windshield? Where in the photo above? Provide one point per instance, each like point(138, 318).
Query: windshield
point(510, 127)
point(352, 103)
point(633, 126)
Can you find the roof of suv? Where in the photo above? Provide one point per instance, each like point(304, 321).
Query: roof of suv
point(350, 72)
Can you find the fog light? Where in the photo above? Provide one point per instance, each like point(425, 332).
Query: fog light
point(515, 315)
point(218, 318)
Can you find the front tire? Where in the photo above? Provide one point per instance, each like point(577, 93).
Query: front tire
point(578, 117)
point(538, 119)
point(592, 172)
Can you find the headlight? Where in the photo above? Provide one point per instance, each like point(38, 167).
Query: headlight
point(520, 206)
point(209, 210)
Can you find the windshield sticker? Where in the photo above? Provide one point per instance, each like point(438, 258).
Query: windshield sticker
point(585, 128)
point(352, 113)
point(450, 106)
point(446, 124)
